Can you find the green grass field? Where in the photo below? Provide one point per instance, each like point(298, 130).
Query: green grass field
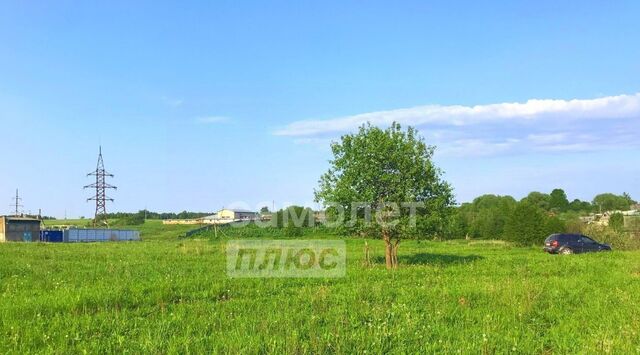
point(171, 295)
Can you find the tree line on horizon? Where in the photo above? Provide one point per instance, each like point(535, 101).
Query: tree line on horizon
point(532, 218)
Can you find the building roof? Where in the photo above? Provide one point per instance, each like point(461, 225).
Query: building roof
point(20, 219)
point(238, 210)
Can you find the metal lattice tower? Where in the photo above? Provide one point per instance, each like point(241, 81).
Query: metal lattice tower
point(101, 187)
point(17, 204)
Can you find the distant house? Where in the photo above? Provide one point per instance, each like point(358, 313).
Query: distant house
point(19, 229)
point(227, 214)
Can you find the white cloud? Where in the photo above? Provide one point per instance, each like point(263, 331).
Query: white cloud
point(478, 147)
point(212, 119)
point(539, 126)
point(622, 106)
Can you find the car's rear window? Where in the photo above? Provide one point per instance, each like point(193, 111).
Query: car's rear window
point(552, 238)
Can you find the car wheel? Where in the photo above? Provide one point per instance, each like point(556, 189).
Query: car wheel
point(566, 251)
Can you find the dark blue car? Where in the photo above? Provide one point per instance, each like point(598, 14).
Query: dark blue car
point(572, 243)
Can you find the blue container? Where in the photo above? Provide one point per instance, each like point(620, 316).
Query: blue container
point(99, 235)
point(51, 236)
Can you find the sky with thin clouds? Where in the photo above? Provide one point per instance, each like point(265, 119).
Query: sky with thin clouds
point(210, 104)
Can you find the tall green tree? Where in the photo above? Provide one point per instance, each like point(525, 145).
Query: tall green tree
point(294, 217)
point(612, 202)
point(558, 200)
point(538, 199)
point(526, 225)
point(379, 172)
point(483, 218)
point(580, 206)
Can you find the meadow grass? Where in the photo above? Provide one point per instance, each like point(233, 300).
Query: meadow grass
point(171, 295)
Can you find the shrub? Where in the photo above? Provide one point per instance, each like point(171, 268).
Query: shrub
point(616, 222)
point(618, 240)
point(130, 220)
point(526, 225)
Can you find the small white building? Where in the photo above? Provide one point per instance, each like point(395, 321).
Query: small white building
point(227, 215)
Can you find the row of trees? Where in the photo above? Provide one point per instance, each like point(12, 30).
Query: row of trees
point(532, 218)
point(558, 202)
point(502, 217)
point(159, 215)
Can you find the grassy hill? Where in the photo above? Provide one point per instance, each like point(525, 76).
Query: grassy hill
point(170, 295)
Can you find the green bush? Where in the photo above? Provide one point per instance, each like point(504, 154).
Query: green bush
point(616, 222)
point(618, 240)
point(529, 225)
point(130, 220)
point(301, 216)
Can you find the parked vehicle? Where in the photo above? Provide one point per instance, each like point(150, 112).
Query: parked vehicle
point(572, 243)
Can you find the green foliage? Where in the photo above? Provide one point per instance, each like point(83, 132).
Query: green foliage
point(572, 222)
point(484, 218)
point(553, 225)
point(529, 225)
point(157, 215)
point(376, 167)
point(538, 199)
point(580, 206)
point(616, 222)
point(633, 223)
point(293, 216)
point(558, 201)
point(612, 202)
point(618, 239)
point(292, 231)
point(131, 220)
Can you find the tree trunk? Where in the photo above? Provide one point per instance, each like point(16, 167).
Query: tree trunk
point(367, 254)
point(395, 254)
point(388, 252)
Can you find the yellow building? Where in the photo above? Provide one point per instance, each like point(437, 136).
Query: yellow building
point(227, 214)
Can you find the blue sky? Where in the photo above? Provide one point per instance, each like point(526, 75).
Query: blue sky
point(211, 104)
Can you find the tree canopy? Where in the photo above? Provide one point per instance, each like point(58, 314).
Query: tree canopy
point(558, 200)
point(380, 172)
point(613, 202)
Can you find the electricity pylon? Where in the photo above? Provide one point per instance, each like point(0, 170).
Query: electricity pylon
point(101, 187)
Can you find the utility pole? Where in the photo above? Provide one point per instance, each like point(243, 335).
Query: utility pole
point(100, 196)
point(17, 204)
